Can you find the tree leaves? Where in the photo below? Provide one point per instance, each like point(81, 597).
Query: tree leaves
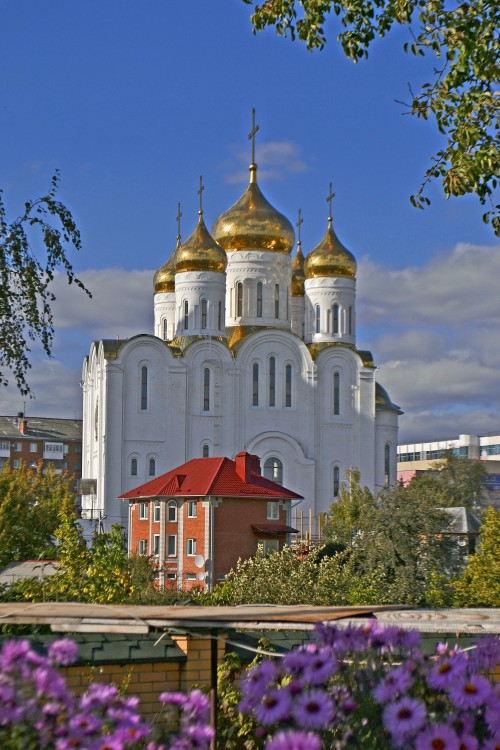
point(25, 277)
point(463, 98)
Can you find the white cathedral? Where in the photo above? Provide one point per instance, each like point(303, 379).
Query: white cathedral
point(251, 351)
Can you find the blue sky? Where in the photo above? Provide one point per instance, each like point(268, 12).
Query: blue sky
point(133, 101)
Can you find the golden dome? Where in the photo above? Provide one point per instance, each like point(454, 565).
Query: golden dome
point(252, 223)
point(383, 400)
point(298, 276)
point(330, 258)
point(200, 252)
point(164, 278)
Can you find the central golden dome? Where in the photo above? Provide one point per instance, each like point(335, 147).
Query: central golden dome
point(164, 278)
point(330, 258)
point(298, 276)
point(200, 252)
point(253, 224)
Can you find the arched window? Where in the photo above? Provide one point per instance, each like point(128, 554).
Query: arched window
point(203, 313)
point(259, 299)
point(255, 384)
point(165, 329)
point(172, 511)
point(287, 304)
point(205, 451)
point(272, 381)
point(387, 464)
point(186, 315)
point(276, 300)
point(336, 481)
point(336, 394)
point(349, 320)
point(336, 318)
point(133, 467)
point(206, 389)
point(317, 317)
point(219, 316)
point(288, 385)
point(152, 467)
point(239, 299)
point(273, 470)
point(144, 387)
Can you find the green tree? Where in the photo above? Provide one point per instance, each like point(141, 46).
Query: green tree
point(462, 39)
point(479, 585)
point(453, 482)
point(342, 523)
point(26, 275)
point(29, 505)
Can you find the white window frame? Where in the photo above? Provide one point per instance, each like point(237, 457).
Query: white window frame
point(156, 545)
point(142, 547)
point(169, 537)
point(273, 510)
point(143, 511)
point(156, 511)
point(192, 509)
point(191, 547)
point(172, 505)
point(269, 545)
point(33, 447)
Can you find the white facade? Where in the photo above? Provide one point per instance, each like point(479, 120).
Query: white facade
point(281, 378)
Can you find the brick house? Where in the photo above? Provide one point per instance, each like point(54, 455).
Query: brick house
point(200, 518)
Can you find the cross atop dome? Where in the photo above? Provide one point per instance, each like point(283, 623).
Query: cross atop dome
point(252, 134)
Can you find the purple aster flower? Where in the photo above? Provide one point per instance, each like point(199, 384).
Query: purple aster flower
point(321, 664)
point(85, 723)
point(196, 706)
point(404, 718)
point(492, 714)
point(174, 699)
point(397, 681)
point(296, 663)
point(471, 692)
point(409, 639)
point(486, 655)
point(294, 741)
point(313, 709)
point(491, 744)
point(438, 737)
point(274, 706)
point(468, 742)
point(63, 652)
point(257, 680)
point(447, 671)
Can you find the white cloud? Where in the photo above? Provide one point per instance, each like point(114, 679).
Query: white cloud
point(275, 160)
point(55, 390)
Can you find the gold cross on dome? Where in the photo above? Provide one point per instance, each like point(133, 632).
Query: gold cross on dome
point(251, 135)
point(330, 198)
point(200, 193)
point(178, 218)
point(299, 222)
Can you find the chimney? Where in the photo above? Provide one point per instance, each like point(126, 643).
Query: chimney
point(255, 465)
point(22, 422)
point(243, 463)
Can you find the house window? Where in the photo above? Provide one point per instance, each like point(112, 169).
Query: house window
point(288, 385)
point(239, 299)
point(186, 315)
point(144, 387)
point(272, 381)
point(171, 545)
point(142, 547)
point(172, 511)
point(152, 467)
point(335, 318)
point(171, 576)
point(317, 317)
point(387, 464)
point(336, 394)
point(55, 447)
point(206, 389)
point(33, 448)
point(192, 508)
point(133, 467)
point(277, 301)
point(156, 544)
point(205, 451)
point(16, 463)
point(349, 320)
point(203, 313)
point(143, 511)
point(273, 511)
point(191, 547)
point(336, 481)
point(269, 545)
point(255, 384)
point(259, 299)
point(156, 511)
point(273, 470)
point(190, 576)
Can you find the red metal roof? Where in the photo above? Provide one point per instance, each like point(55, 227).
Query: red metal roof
point(209, 476)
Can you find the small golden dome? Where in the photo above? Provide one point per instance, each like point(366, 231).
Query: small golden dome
point(330, 258)
point(164, 278)
point(200, 252)
point(298, 276)
point(383, 400)
point(252, 223)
